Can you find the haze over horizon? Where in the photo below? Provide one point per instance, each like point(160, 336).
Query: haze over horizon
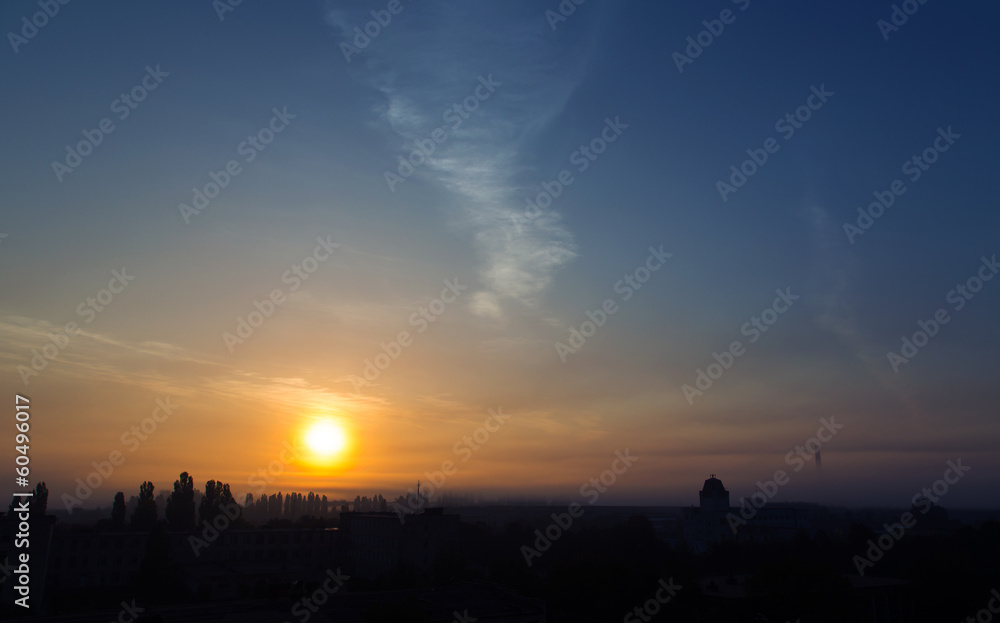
point(570, 268)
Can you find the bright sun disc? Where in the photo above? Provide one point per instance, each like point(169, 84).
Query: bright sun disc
point(326, 439)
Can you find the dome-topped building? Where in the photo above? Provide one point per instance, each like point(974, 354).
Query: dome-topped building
point(707, 523)
point(713, 496)
point(714, 521)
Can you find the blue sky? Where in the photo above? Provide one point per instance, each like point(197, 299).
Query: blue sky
point(527, 281)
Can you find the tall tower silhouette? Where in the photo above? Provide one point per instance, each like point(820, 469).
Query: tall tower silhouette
point(713, 496)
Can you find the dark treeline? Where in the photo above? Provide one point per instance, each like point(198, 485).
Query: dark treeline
point(187, 507)
point(602, 572)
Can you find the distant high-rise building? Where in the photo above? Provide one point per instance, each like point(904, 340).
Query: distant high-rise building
point(714, 521)
point(707, 523)
point(713, 496)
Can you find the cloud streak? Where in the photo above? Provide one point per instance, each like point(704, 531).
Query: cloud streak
point(422, 65)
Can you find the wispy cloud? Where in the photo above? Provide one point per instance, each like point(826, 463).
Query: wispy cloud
point(428, 59)
point(833, 266)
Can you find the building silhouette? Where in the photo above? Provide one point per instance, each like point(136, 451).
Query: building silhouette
point(715, 521)
point(707, 523)
point(376, 543)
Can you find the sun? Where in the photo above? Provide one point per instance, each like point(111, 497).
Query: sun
point(326, 439)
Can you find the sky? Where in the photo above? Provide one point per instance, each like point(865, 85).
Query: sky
point(498, 245)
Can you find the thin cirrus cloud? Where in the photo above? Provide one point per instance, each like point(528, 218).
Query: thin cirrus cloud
point(433, 60)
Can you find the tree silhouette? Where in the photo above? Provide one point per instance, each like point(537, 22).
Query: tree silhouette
point(118, 511)
point(144, 517)
point(38, 503)
point(209, 506)
point(180, 504)
point(41, 501)
point(217, 495)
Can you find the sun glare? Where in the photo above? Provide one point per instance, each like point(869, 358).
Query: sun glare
point(326, 439)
